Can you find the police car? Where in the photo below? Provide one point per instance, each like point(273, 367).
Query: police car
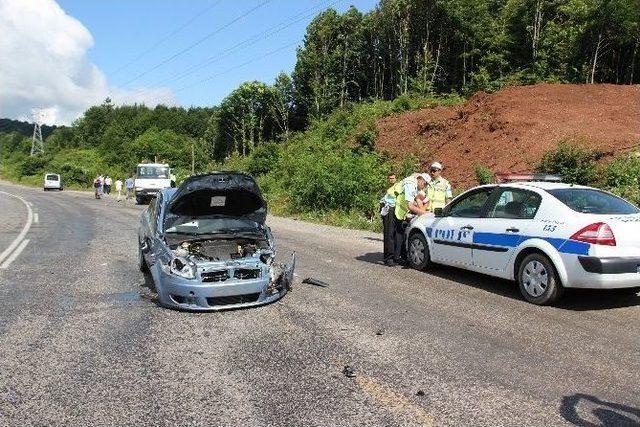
point(547, 236)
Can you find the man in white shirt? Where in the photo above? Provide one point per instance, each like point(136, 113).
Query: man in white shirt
point(107, 185)
point(119, 189)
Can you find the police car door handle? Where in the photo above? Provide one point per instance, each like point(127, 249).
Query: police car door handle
point(466, 227)
point(513, 230)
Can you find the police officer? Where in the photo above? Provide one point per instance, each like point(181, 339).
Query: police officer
point(407, 207)
point(439, 190)
point(387, 207)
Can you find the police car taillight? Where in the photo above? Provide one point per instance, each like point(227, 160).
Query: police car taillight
point(598, 233)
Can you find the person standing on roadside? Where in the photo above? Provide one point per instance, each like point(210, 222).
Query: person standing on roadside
point(101, 186)
point(439, 191)
point(119, 189)
point(387, 208)
point(107, 185)
point(406, 208)
point(96, 186)
point(130, 184)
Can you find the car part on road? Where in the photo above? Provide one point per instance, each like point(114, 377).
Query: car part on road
point(349, 372)
point(315, 282)
point(538, 280)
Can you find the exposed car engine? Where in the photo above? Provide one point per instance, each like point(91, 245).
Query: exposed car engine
point(224, 249)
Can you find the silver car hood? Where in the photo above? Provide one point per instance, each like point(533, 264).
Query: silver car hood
point(217, 195)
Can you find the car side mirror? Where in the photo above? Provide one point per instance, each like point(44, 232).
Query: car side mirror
point(438, 212)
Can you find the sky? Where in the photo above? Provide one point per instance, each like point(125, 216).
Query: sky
point(66, 55)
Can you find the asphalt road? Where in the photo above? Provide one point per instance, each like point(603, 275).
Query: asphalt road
point(82, 341)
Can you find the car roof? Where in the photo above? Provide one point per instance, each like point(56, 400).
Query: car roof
point(542, 185)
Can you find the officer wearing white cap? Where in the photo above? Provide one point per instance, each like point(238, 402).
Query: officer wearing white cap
point(406, 205)
point(439, 190)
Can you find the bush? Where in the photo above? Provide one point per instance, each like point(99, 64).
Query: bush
point(263, 158)
point(622, 177)
point(576, 164)
point(623, 172)
point(484, 175)
point(367, 137)
point(33, 165)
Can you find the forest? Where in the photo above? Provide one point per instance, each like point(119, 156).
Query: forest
point(309, 134)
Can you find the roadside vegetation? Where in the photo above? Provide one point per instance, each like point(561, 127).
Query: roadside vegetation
point(309, 137)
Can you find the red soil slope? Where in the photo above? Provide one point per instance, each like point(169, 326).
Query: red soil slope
point(511, 130)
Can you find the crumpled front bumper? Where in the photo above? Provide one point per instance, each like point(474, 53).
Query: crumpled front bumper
point(195, 295)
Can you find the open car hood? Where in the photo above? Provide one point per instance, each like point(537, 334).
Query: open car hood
point(218, 194)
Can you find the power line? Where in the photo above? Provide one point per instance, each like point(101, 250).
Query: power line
point(266, 34)
point(198, 42)
point(244, 64)
point(270, 32)
point(167, 37)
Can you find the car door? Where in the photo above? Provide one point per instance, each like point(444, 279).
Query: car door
point(504, 226)
point(452, 235)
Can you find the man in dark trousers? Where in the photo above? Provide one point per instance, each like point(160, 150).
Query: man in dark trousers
point(387, 209)
point(407, 208)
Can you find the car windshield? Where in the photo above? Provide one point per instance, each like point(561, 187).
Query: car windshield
point(212, 226)
point(153, 172)
point(586, 200)
point(52, 177)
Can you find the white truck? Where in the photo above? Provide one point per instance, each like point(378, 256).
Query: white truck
point(150, 179)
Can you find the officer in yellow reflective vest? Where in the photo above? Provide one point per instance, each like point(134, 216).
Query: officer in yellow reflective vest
point(439, 190)
point(406, 205)
point(387, 207)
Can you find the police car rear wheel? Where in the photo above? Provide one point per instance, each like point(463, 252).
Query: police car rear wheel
point(418, 252)
point(538, 280)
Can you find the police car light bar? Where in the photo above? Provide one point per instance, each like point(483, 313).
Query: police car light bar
point(515, 177)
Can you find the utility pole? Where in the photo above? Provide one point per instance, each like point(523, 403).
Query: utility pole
point(37, 146)
point(193, 159)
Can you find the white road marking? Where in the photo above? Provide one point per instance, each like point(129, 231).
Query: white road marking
point(19, 239)
point(14, 254)
point(36, 218)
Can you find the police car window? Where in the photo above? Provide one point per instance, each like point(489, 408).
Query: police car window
point(587, 200)
point(515, 203)
point(470, 206)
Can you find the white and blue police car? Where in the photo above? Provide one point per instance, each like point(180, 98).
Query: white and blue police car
point(546, 236)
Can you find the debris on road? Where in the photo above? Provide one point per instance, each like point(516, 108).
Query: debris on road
point(349, 372)
point(420, 393)
point(315, 282)
point(380, 331)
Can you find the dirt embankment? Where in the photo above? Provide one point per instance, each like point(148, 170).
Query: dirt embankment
point(511, 130)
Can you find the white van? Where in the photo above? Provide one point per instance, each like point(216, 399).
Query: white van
point(52, 181)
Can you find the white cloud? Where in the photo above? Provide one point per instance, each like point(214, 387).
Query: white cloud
point(44, 64)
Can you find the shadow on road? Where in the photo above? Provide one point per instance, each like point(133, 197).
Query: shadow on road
point(574, 299)
point(588, 411)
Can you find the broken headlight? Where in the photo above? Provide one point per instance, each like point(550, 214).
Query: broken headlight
point(180, 267)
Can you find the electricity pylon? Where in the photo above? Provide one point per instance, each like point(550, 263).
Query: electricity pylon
point(37, 146)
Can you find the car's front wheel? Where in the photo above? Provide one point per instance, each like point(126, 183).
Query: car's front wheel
point(538, 280)
point(418, 252)
point(142, 264)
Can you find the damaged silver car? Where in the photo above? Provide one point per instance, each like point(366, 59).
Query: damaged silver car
point(207, 247)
